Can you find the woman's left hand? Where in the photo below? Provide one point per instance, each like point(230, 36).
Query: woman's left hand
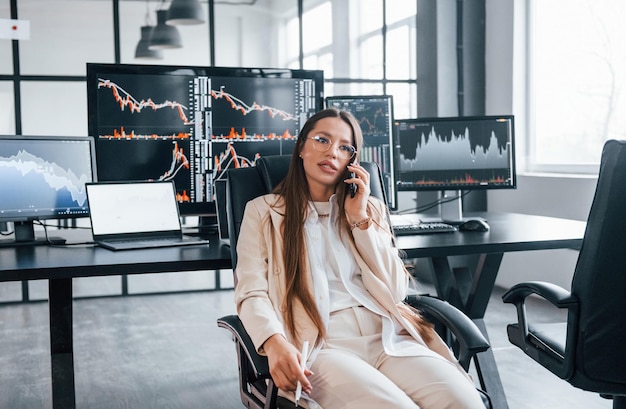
point(356, 207)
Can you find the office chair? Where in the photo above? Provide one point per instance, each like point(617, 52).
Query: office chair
point(257, 389)
point(588, 349)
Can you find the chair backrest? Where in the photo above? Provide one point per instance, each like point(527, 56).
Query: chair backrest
point(244, 184)
point(599, 280)
point(273, 170)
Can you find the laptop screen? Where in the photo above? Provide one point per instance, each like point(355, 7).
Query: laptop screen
point(136, 207)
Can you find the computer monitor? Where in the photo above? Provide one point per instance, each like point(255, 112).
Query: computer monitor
point(190, 124)
point(41, 178)
point(375, 115)
point(455, 153)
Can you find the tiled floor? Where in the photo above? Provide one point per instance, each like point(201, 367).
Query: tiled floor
point(165, 351)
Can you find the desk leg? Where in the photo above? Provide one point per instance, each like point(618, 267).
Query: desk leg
point(446, 283)
point(470, 291)
point(467, 290)
point(488, 372)
point(483, 281)
point(61, 348)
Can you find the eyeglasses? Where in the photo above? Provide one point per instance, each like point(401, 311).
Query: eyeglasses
point(323, 144)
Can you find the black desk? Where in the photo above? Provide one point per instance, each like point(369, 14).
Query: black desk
point(469, 289)
point(60, 264)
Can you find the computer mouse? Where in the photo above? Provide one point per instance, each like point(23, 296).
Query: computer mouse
point(474, 225)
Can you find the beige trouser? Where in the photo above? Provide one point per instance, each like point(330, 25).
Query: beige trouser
point(353, 371)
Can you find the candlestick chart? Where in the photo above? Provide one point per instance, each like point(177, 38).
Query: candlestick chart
point(374, 114)
point(191, 127)
point(252, 109)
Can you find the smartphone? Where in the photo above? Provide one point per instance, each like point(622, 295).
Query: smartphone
point(352, 186)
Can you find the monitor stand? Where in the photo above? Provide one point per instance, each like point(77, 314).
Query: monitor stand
point(25, 236)
point(451, 208)
point(207, 225)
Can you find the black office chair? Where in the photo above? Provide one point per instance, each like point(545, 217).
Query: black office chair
point(588, 349)
point(256, 386)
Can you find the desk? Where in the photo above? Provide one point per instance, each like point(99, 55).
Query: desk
point(59, 264)
point(469, 289)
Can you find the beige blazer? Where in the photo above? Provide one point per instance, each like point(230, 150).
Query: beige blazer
point(259, 292)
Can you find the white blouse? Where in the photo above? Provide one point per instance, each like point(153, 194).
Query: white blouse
point(337, 278)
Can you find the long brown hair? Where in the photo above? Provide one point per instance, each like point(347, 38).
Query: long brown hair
point(295, 191)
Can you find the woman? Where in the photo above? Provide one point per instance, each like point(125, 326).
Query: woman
point(318, 265)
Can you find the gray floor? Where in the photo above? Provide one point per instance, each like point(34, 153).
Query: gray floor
point(165, 351)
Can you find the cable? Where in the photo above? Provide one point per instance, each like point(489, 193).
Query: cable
point(440, 201)
point(435, 203)
point(51, 242)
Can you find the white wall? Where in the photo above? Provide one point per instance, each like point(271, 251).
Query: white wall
point(557, 196)
point(545, 195)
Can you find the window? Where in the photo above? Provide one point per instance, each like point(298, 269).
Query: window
point(7, 114)
point(374, 63)
point(60, 110)
point(364, 47)
point(578, 82)
point(55, 46)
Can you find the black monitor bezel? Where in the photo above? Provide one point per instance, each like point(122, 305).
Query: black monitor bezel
point(460, 186)
point(392, 196)
point(95, 69)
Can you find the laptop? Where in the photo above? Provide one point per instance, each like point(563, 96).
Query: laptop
point(136, 215)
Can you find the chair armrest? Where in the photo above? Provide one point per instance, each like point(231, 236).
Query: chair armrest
point(471, 340)
point(258, 362)
point(543, 342)
point(558, 296)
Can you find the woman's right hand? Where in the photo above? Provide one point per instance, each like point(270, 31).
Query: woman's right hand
point(356, 207)
point(284, 361)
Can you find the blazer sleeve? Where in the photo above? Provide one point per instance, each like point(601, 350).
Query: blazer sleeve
point(254, 306)
point(375, 247)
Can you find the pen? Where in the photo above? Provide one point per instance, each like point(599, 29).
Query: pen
point(305, 352)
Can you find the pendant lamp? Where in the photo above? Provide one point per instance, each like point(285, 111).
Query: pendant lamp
point(143, 51)
point(185, 12)
point(163, 35)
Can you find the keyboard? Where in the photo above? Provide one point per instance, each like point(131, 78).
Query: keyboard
point(423, 228)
